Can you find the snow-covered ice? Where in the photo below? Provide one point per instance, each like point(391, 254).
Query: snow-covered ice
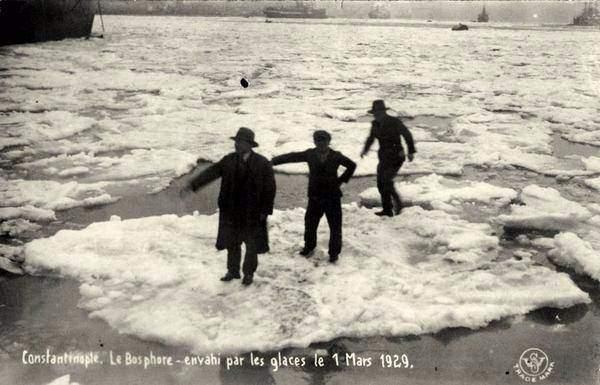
point(573, 252)
point(133, 113)
point(543, 208)
point(443, 193)
point(158, 278)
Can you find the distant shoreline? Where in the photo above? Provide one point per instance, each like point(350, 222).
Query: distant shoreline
point(558, 13)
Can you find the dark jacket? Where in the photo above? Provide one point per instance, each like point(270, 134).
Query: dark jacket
point(323, 180)
point(247, 191)
point(388, 133)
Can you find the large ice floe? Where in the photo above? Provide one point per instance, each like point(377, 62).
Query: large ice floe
point(158, 278)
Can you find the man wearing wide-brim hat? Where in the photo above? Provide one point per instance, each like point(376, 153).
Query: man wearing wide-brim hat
point(388, 130)
point(245, 200)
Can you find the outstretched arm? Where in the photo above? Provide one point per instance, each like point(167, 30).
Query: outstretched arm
point(291, 157)
point(350, 168)
point(201, 178)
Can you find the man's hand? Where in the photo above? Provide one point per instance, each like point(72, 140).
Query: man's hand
point(185, 191)
point(411, 157)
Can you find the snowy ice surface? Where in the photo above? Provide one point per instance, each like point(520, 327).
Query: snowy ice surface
point(581, 255)
point(158, 278)
point(593, 183)
point(14, 227)
point(592, 163)
point(108, 98)
point(51, 195)
point(544, 209)
point(444, 193)
point(27, 212)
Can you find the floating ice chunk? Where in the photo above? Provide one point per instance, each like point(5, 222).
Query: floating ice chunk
point(586, 137)
point(593, 183)
point(573, 252)
point(157, 278)
point(14, 227)
point(138, 163)
point(27, 212)
point(74, 171)
point(544, 209)
point(11, 141)
point(592, 163)
point(435, 189)
point(54, 195)
point(47, 125)
point(90, 291)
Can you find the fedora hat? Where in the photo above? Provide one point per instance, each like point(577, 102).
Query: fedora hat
point(245, 134)
point(378, 105)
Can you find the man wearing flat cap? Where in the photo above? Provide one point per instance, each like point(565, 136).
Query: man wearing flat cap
point(245, 200)
point(388, 130)
point(324, 193)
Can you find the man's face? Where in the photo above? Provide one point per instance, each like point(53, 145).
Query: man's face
point(242, 147)
point(322, 144)
point(378, 115)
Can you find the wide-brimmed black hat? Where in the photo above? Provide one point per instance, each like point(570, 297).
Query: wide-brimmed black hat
point(378, 105)
point(245, 134)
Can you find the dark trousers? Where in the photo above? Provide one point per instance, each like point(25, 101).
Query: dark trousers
point(332, 208)
point(386, 171)
point(234, 256)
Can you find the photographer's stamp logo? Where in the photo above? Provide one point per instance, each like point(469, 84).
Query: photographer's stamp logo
point(534, 365)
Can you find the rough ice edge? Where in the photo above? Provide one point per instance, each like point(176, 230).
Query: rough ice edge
point(573, 252)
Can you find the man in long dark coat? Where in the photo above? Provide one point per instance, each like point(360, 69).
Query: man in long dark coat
point(388, 130)
point(324, 194)
point(245, 200)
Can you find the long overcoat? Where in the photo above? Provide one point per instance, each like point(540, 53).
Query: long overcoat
point(259, 189)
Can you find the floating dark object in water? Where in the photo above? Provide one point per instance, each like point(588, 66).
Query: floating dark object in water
point(460, 27)
point(244, 83)
point(268, 21)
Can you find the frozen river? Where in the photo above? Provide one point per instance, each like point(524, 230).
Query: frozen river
point(504, 188)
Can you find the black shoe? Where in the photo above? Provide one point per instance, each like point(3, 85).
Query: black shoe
point(385, 213)
point(333, 258)
point(306, 252)
point(397, 210)
point(247, 280)
point(229, 276)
